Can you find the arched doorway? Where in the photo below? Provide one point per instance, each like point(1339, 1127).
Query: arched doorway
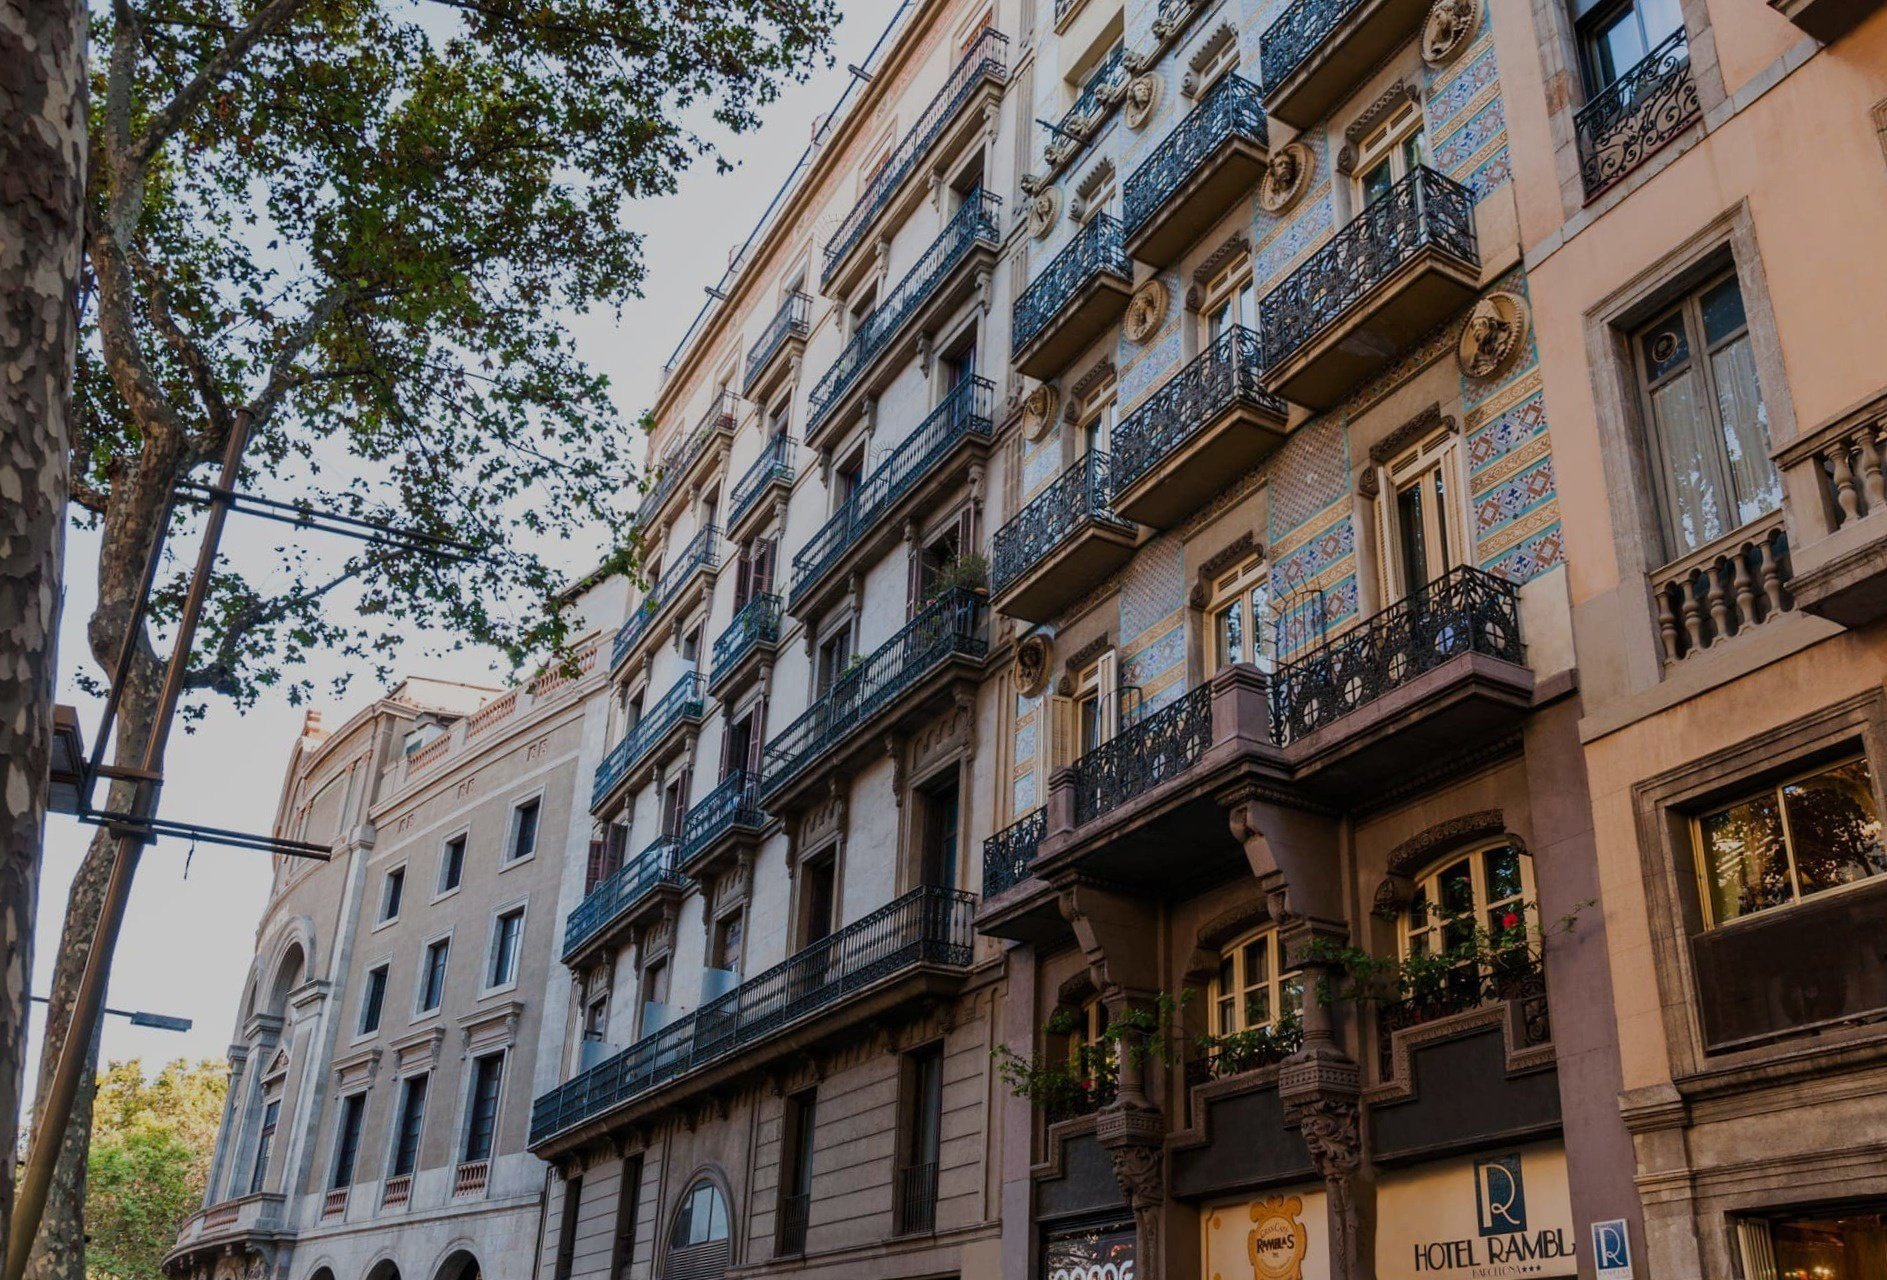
point(324, 1273)
point(385, 1269)
point(460, 1266)
point(699, 1246)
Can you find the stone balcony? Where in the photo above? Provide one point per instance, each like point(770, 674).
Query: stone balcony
point(1317, 51)
point(1061, 545)
point(1077, 297)
point(647, 885)
point(252, 1227)
point(1826, 20)
point(1211, 160)
point(775, 355)
point(1838, 496)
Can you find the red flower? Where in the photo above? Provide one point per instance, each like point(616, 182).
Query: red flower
point(1510, 921)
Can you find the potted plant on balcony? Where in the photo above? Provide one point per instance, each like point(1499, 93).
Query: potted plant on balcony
point(968, 571)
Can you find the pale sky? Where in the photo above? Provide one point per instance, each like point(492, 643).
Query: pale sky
point(187, 940)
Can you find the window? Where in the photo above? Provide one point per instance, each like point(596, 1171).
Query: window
point(452, 865)
point(1614, 38)
point(1097, 422)
point(628, 1193)
point(835, 656)
point(942, 822)
point(347, 1141)
point(271, 1116)
point(923, 1135)
point(1490, 889)
point(506, 933)
point(702, 1218)
point(1096, 704)
point(1242, 626)
point(1228, 302)
point(481, 1117)
point(567, 1226)
point(728, 935)
point(674, 805)
point(1388, 153)
point(1217, 61)
point(819, 900)
point(740, 749)
point(524, 830)
point(373, 999)
point(1421, 530)
point(691, 646)
point(654, 997)
point(1710, 437)
point(392, 890)
point(1840, 1242)
point(432, 975)
point(1804, 836)
point(1090, 1053)
point(412, 1120)
point(1098, 202)
point(1249, 992)
point(798, 1126)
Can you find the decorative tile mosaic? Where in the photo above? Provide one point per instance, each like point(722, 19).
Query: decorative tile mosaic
point(1503, 434)
point(1041, 467)
point(1462, 151)
point(1540, 553)
point(1023, 800)
point(1285, 243)
point(1158, 658)
point(1026, 741)
point(1309, 473)
point(1150, 588)
point(1329, 547)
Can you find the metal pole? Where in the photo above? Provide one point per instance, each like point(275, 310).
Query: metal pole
point(42, 1158)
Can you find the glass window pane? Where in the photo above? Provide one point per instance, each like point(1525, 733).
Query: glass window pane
point(1502, 867)
point(1228, 1015)
point(1456, 889)
point(1258, 1008)
point(1257, 963)
point(1666, 346)
point(1410, 531)
point(1377, 181)
point(1722, 309)
point(1264, 642)
point(1833, 829)
point(1745, 868)
point(1758, 489)
point(1232, 633)
point(1690, 465)
point(1228, 981)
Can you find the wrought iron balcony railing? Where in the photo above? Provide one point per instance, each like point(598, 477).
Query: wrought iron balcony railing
point(917, 1199)
point(795, 1217)
point(1423, 211)
point(1100, 93)
point(987, 57)
point(1161, 747)
point(774, 463)
point(1079, 495)
point(1297, 33)
point(1008, 855)
point(1225, 374)
point(757, 623)
point(733, 803)
point(681, 459)
point(605, 904)
point(1636, 114)
point(790, 321)
point(928, 926)
point(951, 626)
point(1230, 109)
point(1515, 976)
point(702, 552)
point(682, 702)
point(1096, 249)
point(1242, 1053)
point(978, 221)
point(965, 412)
point(1463, 611)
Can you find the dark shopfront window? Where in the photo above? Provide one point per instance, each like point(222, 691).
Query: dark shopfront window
point(1101, 1252)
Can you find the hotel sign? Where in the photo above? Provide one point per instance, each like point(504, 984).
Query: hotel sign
point(1281, 1236)
point(1506, 1215)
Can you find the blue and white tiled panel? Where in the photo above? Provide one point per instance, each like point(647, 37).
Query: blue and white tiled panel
point(1465, 119)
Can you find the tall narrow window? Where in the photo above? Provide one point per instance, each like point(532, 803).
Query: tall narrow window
point(835, 654)
point(1249, 992)
point(1388, 154)
point(481, 1117)
point(452, 865)
point(373, 999)
point(1481, 894)
point(411, 1123)
point(567, 1226)
point(507, 932)
point(729, 933)
point(265, 1141)
point(524, 830)
point(628, 1197)
point(1241, 624)
point(1421, 522)
point(347, 1140)
point(1228, 302)
point(820, 901)
point(941, 833)
point(392, 891)
point(922, 1139)
point(796, 1142)
point(432, 975)
point(1615, 37)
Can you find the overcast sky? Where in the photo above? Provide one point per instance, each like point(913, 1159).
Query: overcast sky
point(188, 938)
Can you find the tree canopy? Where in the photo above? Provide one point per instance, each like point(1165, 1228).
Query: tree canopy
point(152, 1141)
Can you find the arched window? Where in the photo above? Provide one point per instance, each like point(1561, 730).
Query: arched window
point(1249, 992)
point(1483, 896)
point(698, 1244)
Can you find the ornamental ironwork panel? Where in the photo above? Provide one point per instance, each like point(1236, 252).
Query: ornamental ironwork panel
point(965, 412)
point(1298, 33)
point(619, 894)
point(987, 58)
point(790, 321)
point(928, 926)
point(1463, 611)
point(701, 553)
point(680, 460)
point(1225, 374)
point(1097, 249)
point(1082, 493)
point(1244, 1052)
point(757, 623)
point(775, 463)
point(951, 626)
point(1518, 978)
point(1230, 109)
point(1103, 90)
point(682, 702)
point(1636, 114)
point(1158, 749)
point(977, 222)
point(1424, 211)
point(733, 805)
point(1010, 853)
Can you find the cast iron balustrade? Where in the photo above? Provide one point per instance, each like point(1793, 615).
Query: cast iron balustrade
point(790, 321)
point(1423, 211)
point(976, 222)
point(757, 623)
point(989, 56)
point(702, 552)
point(1100, 93)
point(1095, 250)
point(682, 702)
point(1463, 611)
point(951, 626)
point(1158, 749)
point(795, 1216)
point(1244, 1054)
point(1231, 109)
point(634, 881)
point(1517, 977)
point(733, 803)
point(964, 412)
point(917, 1199)
point(928, 926)
point(1636, 114)
point(774, 463)
point(681, 459)
point(1297, 33)
point(1010, 853)
point(1225, 374)
point(1080, 494)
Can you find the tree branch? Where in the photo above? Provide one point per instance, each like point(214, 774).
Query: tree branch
point(166, 119)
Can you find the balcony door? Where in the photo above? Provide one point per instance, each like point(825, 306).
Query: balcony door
point(1228, 303)
point(1389, 153)
point(819, 901)
point(740, 750)
point(1421, 516)
point(1615, 37)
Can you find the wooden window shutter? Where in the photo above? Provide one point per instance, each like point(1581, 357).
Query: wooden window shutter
point(764, 552)
point(1107, 670)
point(1064, 738)
point(593, 871)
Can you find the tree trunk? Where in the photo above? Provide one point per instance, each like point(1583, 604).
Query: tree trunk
point(42, 201)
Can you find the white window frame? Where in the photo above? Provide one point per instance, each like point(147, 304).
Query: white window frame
point(1523, 903)
point(382, 963)
point(419, 984)
point(1232, 284)
point(509, 859)
point(521, 908)
point(381, 919)
point(1283, 992)
point(439, 892)
point(1438, 454)
point(1385, 142)
point(1239, 587)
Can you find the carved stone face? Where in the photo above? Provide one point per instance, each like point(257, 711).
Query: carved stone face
point(1285, 178)
point(1494, 333)
point(1449, 26)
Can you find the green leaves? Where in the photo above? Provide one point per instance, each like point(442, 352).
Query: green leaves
point(152, 1141)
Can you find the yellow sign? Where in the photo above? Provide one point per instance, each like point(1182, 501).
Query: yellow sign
point(1503, 1215)
point(1276, 1241)
point(1281, 1236)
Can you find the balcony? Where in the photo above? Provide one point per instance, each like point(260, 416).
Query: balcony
point(697, 561)
point(1726, 588)
point(1636, 114)
point(930, 460)
point(681, 706)
point(885, 340)
point(1318, 51)
point(1519, 980)
point(643, 886)
point(753, 634)
point(778, 350)
point(916, 1194)
point(1077, 298)
point(916, 945)
point(771, 473)
point(1209, 163)
point(1401, 267)
point(1103, 90)
point(716, 428)
point(725, 824)
point(1061, 545)
point(1008, 855)
point(948, 123)
point(1826, 20)
point(899, 684)
point(253, 1224)
point(1030, 913)
point(1836, 490)
point(1209, 423)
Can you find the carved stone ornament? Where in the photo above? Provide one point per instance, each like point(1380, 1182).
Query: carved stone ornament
point(1143, 99)
point(1147, 311)
point(1286, 178)
point(1035, 660)
point(1494, 335)
point(1450, 27)
point(1044, 210)
point(1038, 410)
